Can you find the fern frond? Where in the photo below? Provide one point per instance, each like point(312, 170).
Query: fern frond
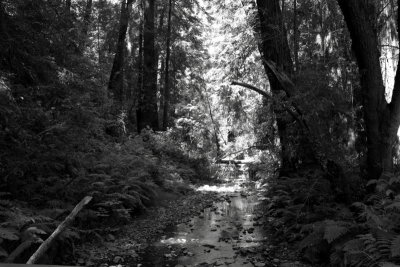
point(395, 247)
point(8, 234)
point(334, 231)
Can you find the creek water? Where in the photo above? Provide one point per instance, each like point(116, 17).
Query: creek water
point(228, 233)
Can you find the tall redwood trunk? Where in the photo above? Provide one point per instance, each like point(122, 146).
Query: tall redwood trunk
point(295, 37)
point(147, 111)
point(116, 82)
point(166, 83)
point(382, 119)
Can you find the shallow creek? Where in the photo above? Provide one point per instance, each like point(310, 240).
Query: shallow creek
point(228, 233)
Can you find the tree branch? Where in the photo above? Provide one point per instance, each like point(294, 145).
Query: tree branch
point(46, 244)
point(297, 117)
point(251, 87)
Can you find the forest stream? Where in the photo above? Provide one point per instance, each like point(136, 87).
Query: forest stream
point(228, 233)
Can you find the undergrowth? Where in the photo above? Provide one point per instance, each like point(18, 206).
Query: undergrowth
point(305, 210)
point(70, 147)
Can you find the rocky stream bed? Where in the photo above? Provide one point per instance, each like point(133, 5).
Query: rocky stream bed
point(219, 225)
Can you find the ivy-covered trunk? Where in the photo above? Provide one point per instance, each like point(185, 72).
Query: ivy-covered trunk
point(382, 119)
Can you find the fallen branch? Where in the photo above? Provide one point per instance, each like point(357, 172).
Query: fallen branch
point(46, 244)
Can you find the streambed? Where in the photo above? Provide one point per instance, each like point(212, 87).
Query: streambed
point(228, 233)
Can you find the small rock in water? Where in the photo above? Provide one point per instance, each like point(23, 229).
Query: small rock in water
point(229, 261)
point(118, 259)
point(219, 263)
point(259, 264)
point(209, 245)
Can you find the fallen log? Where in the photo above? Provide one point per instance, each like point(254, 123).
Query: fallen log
point(46, 244)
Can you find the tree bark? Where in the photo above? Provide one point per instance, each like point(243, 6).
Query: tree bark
point(86, 25)
point(116, 82)
point(148, 111)
point(381, 118)
point(139, 69)
point(295, 37)
point(166, 82)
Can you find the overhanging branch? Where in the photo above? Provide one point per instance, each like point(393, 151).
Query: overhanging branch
point(297, 117)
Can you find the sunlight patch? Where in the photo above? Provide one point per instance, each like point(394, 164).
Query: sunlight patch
point(174, 241)
point(219, 188)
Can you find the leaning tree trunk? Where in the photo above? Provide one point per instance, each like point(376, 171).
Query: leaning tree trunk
point(147, 111)
point(382, 119)
point(274, 47)
point(116, 82)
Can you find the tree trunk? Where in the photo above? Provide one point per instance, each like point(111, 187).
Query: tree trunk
point(68, 6)
point(86, 25)
point(295, 37)
point(166, 84)
point(381, 119)
point(148, 112)
point(275, 48)
point(159, 43)
point(116, 82)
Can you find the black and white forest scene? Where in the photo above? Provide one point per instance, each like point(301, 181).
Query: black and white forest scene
point(184, 133)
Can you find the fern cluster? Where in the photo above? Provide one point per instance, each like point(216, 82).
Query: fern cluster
point(304, 210)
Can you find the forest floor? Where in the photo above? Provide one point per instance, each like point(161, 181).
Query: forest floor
point(218, 225)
